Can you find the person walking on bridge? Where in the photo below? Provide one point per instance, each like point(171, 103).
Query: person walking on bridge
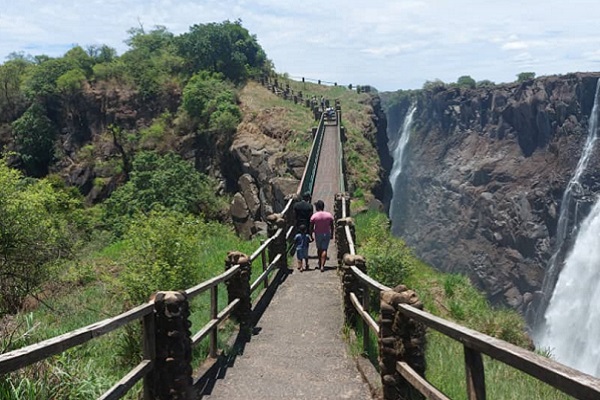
point(321, 228)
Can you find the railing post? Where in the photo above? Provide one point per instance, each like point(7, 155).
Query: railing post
point(149, 327)
point(475, 375)
point(342, 220)
point(263, 259)
point(172, 378)
point(214, 307)
point(279, 244)
point(351, 285)
point(238, 287)
point(400, 339)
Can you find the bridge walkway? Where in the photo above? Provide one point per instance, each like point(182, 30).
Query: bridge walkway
point(298, 350)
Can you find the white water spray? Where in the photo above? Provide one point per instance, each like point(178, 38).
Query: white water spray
point(572, 319)
point(398, 154)
point(572, 326)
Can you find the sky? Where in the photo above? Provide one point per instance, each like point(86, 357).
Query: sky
point(387, 44)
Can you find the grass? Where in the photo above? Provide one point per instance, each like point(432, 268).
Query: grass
point(452, 297)
point(89, 370)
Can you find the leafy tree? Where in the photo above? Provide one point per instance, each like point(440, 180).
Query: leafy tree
point(435, 85)
point(41, 83)
point(81, 60)
point(71, 81)
point(33, 234)
point(34, 135)
point(525, 76)
point(466, 81)
point(485, 83)
point(206, 93)
point(162, 181)
point(152, 61)
point(161, 253)
point(12, 98)
point(225, 47)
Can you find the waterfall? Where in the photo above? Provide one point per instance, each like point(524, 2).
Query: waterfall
point(571, 324)
point(567, 220)
point(398, 155)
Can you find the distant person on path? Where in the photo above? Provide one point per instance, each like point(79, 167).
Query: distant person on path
point(321, 227)
point(301, 240)
point(303, 211)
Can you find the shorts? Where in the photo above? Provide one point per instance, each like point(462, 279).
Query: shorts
point(322, 240)
point(301, 253)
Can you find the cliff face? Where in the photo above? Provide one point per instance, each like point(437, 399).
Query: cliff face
point(484, 174)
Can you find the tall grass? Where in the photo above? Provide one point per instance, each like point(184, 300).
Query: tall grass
point(452, 297)
point(87, 371)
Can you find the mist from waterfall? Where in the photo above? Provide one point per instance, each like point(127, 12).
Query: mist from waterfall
point(571, 324)
point(398, 155)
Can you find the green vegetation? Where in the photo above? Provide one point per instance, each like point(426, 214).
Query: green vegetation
point(452, 297)
point(525, 76)
point(466, 81)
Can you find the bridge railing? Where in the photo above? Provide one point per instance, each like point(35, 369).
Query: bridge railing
point(167, 341)
point(307, 182)
point(400, 328)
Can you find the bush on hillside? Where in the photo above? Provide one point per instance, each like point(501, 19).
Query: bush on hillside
point(166, 181)
point(34, 234)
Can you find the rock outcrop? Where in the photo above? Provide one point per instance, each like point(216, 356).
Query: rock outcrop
point(485, 172)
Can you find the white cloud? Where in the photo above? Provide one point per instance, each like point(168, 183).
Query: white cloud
point(389, 44)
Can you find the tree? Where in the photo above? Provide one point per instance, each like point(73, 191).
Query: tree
point(162, 181)
point(525, 76)
point(33, 234)
point(466, 81)
point(12, 98)
point(152, 62)
point(225, 47)
point(34, 135)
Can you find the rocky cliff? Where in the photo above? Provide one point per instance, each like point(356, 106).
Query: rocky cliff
point(485, 172)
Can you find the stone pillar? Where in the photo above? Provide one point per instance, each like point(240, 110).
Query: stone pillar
point(400, 339)
point(340, 234)
point(278, 245)
point(238, 286)
point(173, 368)
point(351, 284)
point(343, 246)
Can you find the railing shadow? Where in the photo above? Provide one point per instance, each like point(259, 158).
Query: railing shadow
point(205, 384)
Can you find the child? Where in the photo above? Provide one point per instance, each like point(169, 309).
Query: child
point(301, 241)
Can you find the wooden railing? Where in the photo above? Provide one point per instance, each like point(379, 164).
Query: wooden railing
point(147, 314)
point(408, 369)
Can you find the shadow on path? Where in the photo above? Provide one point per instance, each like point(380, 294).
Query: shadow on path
point(204, 384)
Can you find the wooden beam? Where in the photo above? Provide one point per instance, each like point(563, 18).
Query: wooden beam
point(475, 374)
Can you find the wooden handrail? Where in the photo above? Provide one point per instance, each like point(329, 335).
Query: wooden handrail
point(128, 381)
point(204, 286)
point(366, 279)
point(266, 272)
point(25, 356)
point(566, 379)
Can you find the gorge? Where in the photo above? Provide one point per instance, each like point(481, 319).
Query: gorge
point(484, 181)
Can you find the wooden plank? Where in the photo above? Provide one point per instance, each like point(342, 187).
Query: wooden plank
point(214, 323)
point(419, 383)
point(263, 260)
point(563, 378)
point(214, 304)
point(204, 286)
point(262, 276)
point(128, 381)
point(365, 306)
point(364, 278)
point(350, 241)
point(289, 232)
point(475, 375)
point(206, 329)
point(149, 343)
point(261, 249)
point(25, 356)
point(365, 316)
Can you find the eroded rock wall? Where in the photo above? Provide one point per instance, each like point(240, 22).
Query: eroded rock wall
point(485, 172)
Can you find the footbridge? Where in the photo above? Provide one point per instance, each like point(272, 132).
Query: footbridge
point(293, 327)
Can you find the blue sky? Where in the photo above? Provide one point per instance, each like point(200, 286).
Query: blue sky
point(388, 44)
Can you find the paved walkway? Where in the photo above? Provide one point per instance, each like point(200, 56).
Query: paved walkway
point(298, 351)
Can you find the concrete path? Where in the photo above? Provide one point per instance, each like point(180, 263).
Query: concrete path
point(298, 350)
